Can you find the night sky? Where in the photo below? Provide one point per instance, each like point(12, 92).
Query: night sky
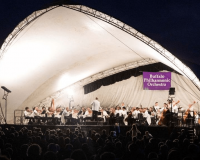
point(173, 24)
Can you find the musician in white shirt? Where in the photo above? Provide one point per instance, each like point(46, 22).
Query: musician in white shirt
point(173, 107)
point(124, 112)
point(104, 114)
point(156, 106)
point(135, 113)
point(57, 113)
point(147, 116)
point(191, 108)
point(36, 111)
point(95, 108)
point(118, 111)
point(28, 112)
point(88, 113)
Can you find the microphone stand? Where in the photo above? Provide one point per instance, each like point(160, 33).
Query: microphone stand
point(5, 98)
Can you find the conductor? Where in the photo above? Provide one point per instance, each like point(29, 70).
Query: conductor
point(95, 108)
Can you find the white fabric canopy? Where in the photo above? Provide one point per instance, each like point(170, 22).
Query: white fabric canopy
point(131, 92)
point(64, 46)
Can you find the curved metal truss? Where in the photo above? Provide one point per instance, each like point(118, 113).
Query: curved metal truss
point(111, 20)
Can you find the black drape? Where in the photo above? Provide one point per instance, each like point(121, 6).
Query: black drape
point(156, 67)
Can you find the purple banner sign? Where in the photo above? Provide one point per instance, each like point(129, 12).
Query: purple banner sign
point(156, 80)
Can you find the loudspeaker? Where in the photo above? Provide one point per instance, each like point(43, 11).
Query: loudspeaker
point(172, 91)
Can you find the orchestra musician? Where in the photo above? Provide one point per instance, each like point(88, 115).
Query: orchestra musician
point(112, 116)
point(135, 113)
point(156, 107)
point(147, 116)
point(117, 111)
point(104, 114)
point(51, 109)
point(58, 112)
point(173, 106)
point(28, 113)
point(188, 112)
point(66, 112)
point(81, 114)
point(164, 116)
point(196, 117)
point(50, 112)
point(122, 105)
point(95, 108)
point(36, 111)
point(74, 116)
point(43, 110)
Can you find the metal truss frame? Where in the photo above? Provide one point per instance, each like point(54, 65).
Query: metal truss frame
point(111, 20)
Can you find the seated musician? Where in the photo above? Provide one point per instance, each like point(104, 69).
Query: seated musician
point(37, 114)
point(128, 119)
point(66, 113)
point(107, 110)
point(74, 116)
point(156, 106)
point(88, 113)
point(124, 112)
point(36, 111)
point(81, 114)
point(49, 112)
point(124, 115)
point(43, 111)
point(104, 114)
point(58, 112)
point(118, 111)
point(188, 113)
point(135, 113)
point(174, 106)
point(43, 114)
point(122, 105)
point(191, 107)
point(196, 117)
point(51, 109)
point(147, 116)
point(112, 116)
point(28, 113)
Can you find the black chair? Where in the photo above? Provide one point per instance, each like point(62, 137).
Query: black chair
point(68, 119)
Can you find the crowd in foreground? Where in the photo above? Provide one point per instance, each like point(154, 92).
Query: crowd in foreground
point(26, 144)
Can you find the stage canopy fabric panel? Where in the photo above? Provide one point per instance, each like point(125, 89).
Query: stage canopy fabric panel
point(156, 67)
point(130, 91)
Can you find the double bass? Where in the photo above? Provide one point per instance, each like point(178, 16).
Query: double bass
point(163, 118)
point(187, 113)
